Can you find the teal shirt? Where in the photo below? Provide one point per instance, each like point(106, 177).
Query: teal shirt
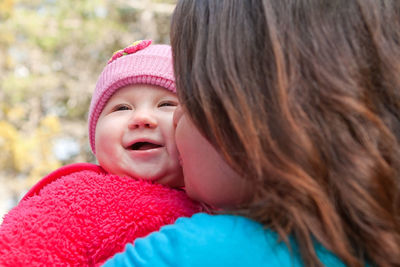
point(214, 240)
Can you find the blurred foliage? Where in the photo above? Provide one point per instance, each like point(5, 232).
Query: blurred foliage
point(51, 54)
point(28, 152)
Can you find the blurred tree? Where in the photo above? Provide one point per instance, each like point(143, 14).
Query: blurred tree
point(6, 7)
point(51, 53)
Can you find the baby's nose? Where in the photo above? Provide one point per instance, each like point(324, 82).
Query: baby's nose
point(142, 119)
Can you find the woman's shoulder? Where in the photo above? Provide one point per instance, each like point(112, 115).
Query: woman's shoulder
point(214, 240)
point(240, 240)
point(228, 229)
point(243, 236)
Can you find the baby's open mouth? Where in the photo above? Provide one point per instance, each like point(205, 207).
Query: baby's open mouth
point(144, 146)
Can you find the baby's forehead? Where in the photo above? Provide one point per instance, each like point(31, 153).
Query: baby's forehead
point(142, 91)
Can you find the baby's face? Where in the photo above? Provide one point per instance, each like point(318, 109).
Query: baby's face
point(135, 135)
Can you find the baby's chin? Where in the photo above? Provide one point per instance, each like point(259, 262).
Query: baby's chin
point(172, 179)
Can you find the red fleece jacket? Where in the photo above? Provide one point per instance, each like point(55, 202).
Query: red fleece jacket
point(80, 215)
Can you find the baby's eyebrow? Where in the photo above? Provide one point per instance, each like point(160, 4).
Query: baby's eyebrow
point(172, 97)
point(117, 100)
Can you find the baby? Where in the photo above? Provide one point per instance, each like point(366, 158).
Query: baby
point(130, 119)
point(82, 214)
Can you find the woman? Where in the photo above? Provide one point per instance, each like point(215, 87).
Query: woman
point(300, 101)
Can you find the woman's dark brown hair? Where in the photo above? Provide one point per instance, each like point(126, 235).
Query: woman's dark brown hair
point(302, 98)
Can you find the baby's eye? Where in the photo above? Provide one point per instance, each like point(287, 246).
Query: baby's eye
point(168, 104)
point(121, 107)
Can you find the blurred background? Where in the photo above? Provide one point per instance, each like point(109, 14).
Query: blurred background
point(51, 53)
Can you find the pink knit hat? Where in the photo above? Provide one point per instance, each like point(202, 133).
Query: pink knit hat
point(140, 63)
